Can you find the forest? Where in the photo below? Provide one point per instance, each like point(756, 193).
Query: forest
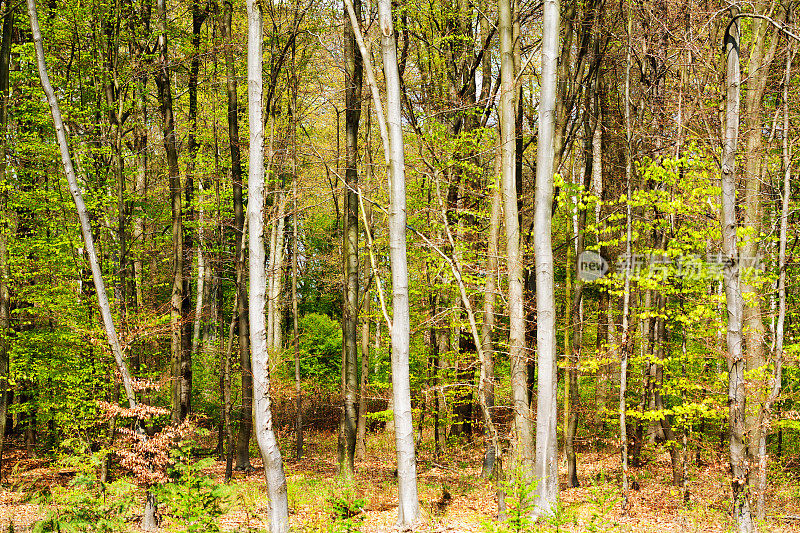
point(443, 265)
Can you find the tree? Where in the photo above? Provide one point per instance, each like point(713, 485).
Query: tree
point(408, 509)
point(265, 432)
point(177, 309)
point(246, 414)
point(353, 77)
point(546, 470)
point(734, 356)
point(5, 304)
point(523, 443)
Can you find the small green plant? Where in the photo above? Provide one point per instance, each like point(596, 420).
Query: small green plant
point(193, 498)
point(87, 505)
point(519, 495)
point(250, 499)
point(347, 509)
point(603, 498)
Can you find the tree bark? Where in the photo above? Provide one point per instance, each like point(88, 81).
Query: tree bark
point(353, 84)
point(734, 355)
point(546, 470)
point(177, 317)
point(265, 433)
point(408, 501)
point(246, 413)
point(5, 303)
point(523, 437)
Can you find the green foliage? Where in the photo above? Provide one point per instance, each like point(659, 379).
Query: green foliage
point(347, 509)
point(519, 492)
point(602, 500)
point(87, 505)
point(320, 348)
point(193, 497)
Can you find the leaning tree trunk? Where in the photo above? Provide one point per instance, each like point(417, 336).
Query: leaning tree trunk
point(83, 214)
point(265, 433)
point(546, 470)
point(735, 359)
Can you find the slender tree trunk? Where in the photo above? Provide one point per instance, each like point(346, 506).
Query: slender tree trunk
point(408, 508)
point(5, 303)
point(295, 316)
point(171, 148)
point(602, 305)
point(83, 214)
point(265, 433)
point(226, 370)
point(490, 296)
point(246, 413)
point(546, 470)
point(457, 270)
point(577, 331)
point(735, 357)
point(523, 437)
point(198, 17)
point(140, 190)
point(392, 136)
point(275, 269)
point(361, 424)
point(623, 380)
point(777, 355)
point(140, 185)
point(353, 83)
point(492, 270)
point(752, 284)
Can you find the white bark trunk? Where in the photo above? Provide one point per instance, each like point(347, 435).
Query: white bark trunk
point(265, 434)
point(201, 271)
point(408, 508)
point(546, 470)
point(736, 384)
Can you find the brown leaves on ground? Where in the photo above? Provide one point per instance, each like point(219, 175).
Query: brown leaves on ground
point(453, 498)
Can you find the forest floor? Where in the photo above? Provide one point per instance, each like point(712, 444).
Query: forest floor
point(453, 497)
